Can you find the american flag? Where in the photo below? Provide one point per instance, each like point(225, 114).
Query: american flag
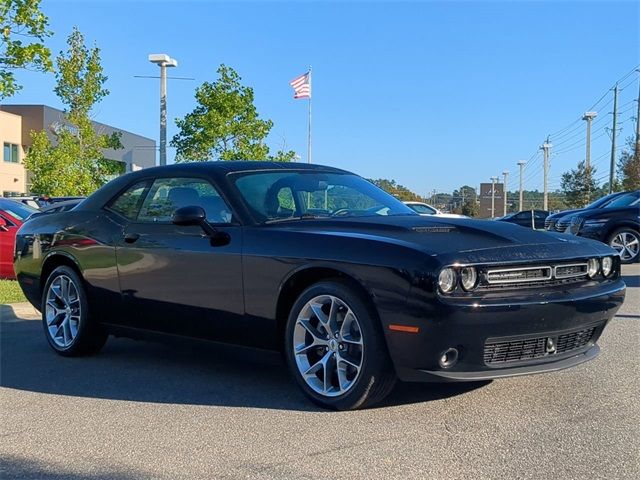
point(301, 86)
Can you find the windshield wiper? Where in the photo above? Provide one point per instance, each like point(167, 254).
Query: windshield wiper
point(304, 216)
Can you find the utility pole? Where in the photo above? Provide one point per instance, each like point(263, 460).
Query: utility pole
point(493, 196)
point(612, 166)
point(545, 148)
point(521, 164)
point(505, 190)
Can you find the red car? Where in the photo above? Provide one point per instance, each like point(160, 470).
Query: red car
point(12, 215)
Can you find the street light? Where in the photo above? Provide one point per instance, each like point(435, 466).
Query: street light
point(163, 61)
point(505, 190)
point(493, 196)
point(521, 164)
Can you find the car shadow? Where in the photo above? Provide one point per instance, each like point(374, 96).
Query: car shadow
point(631, 280)
point(186, 373)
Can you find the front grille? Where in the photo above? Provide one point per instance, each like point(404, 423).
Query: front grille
point(535, 348)
point(548, 224)
point(518, 275)
point(562, 226)
point(571, 271)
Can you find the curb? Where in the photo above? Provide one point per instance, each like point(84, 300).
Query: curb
point(18, 311)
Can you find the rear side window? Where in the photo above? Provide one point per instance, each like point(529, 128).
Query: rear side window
point(168, 194)
point(128, 203)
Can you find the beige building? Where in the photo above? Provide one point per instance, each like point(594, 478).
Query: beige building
point(18, 121)
point(12, 172)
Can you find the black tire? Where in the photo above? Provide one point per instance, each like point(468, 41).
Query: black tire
point(90, 336)
point(376, 377)
point(628, 231)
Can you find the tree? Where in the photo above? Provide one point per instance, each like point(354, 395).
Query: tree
point(578, 186)
point(74, 164)
point(629, 166)
point(225, 124)
point(400, 192)
point(23, 29)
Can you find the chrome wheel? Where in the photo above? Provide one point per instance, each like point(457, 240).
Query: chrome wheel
point(62, 311)
point(328, 346)
point(627, 244)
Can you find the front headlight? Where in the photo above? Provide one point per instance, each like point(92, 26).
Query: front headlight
point(592, 267)
point(447, 280)
point(468, 278)
point(607, 266)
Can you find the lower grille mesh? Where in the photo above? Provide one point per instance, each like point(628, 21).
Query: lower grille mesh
point(534, 348)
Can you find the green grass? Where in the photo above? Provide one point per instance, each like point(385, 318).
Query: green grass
point(10, 292)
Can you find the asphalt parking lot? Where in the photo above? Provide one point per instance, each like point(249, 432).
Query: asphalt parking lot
point(144, 410)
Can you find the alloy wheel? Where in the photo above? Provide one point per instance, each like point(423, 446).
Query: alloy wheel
point(328, 346)
point(63, 311)
point(627, 244)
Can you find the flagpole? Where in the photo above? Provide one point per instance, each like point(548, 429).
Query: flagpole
point(309, 135)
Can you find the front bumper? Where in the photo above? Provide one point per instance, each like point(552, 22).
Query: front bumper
point(524, 323)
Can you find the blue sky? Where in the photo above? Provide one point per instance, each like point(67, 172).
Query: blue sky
point(432, 94)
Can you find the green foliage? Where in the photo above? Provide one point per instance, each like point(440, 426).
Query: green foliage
point(579, 186)
point(225, 124)
point(74, 164)
point(397, 190)
point(629, 166)
point(470, 208)
point(23, 29)
point(10, 292)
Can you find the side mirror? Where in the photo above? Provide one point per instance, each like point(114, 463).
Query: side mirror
point(195, 215)
point(3, 225)
point(187, 216)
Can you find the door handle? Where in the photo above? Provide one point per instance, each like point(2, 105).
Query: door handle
point(131, 237)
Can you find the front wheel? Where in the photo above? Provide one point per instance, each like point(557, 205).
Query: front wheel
point(65, 315)
point(626, 242)
point(335, 348)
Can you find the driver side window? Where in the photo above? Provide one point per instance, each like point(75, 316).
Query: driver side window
point(166, 195)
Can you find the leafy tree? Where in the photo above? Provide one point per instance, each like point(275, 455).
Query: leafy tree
point(470, 208)
point(400, 192)
point(579, 186)
point(225, 124)
point(74, 164)
point(23, 29)
point(629, 166)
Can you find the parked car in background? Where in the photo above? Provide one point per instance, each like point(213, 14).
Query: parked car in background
point(527, 218)
point(62, 206)
point(30, 200)
point(12, 215)
point(617, 224)
point(352, 285)
point(422, 208)
point(552, 221)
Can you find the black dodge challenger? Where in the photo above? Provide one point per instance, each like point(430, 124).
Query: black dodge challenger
point(354, 287)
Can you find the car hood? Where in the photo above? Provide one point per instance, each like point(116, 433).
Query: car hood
point(564, 213)
point(455, 239)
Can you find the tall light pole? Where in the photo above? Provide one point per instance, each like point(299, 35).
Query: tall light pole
point(505, 190)
point(588, 117)
point(163, 61)
point(493, 196)
point(545, 148)
point(521, 164)
point(614, 131)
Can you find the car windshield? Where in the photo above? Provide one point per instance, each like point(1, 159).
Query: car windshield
point(603, 200)
point(280, 196)
point(17, 210)
point(422, 208)
point(623, 201)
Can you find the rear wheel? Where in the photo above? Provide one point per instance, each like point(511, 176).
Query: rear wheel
point(335, 348)
point(65, 315)
point(626, 242)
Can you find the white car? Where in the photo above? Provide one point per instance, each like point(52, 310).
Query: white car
point(427, 210)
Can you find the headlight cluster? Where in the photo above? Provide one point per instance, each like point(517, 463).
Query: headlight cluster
point(448, 279)
point(604, 265)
